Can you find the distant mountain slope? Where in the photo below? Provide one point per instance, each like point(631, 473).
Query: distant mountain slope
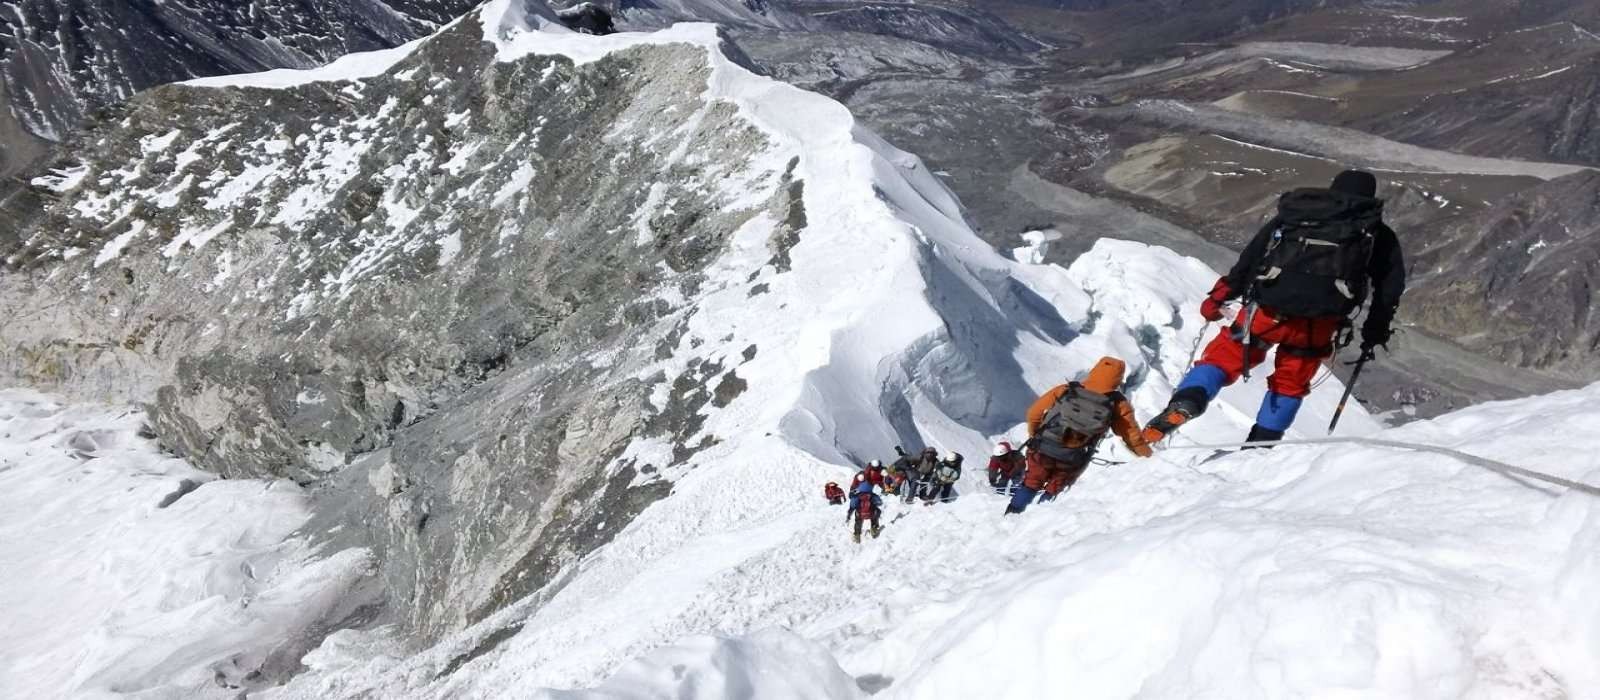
point(62, 58)
point(1518, 282)
point(1531, 94)
point(634, 15)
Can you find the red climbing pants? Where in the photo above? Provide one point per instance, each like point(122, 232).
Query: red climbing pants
point(1049, 475)
point(1303, 343)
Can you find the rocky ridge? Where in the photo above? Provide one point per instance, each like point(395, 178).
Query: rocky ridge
point(60, 59)
point(456, 286)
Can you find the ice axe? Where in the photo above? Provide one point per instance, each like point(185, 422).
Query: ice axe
point(1350, 386)
point(1249, 337)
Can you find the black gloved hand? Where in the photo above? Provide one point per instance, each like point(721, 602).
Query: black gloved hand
point(1375, 336)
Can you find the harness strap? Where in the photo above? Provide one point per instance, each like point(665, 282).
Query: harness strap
point(1312, 351)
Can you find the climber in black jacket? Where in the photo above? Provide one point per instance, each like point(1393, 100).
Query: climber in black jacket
point(1302, 277)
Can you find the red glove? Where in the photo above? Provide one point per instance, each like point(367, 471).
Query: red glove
point(1211, 308)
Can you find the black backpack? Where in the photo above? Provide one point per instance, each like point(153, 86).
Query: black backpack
point(1316, 263)
point(1081, 412)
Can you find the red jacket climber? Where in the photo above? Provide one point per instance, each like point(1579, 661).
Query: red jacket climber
point(872, 474)
point(1005, 466)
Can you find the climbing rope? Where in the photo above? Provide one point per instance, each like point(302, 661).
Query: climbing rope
point(1326, 370)
point(1481, 462)
point(1194, 350)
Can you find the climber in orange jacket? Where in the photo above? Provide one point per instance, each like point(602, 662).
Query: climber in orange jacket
point(1065, 427)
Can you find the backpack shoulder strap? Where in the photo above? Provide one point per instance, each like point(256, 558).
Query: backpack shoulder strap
point(1072, 389)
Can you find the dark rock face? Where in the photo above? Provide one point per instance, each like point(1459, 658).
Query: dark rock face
point(18, 146)
point(60, 59)
point(439, 292)
point(588, 18)
point(1551, 113)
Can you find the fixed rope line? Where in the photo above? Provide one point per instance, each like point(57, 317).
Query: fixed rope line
point(1482, 462)
point(1194, 350)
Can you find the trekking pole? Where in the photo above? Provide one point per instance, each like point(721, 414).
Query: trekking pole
point(1350, 387)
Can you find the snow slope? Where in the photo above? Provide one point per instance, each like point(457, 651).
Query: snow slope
point(1317, 571)
point(887, 322)
point(129, 572)
point(1307, 571)
point(946, 345)
point(1286, 581)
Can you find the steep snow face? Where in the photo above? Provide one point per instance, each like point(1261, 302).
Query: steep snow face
point(1308, 571)
point(130, 572)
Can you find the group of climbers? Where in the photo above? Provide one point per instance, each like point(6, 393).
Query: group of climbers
point(924, 477)
point(1302, 279)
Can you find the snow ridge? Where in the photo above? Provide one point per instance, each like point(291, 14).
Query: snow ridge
point(938, 340)
point(881, 319)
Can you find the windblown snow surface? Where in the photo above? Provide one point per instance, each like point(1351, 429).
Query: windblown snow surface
point(1306, 571)
point(127, 571)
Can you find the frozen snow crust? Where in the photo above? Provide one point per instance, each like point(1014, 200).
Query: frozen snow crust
point(1315, 571)
point(128, 572)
